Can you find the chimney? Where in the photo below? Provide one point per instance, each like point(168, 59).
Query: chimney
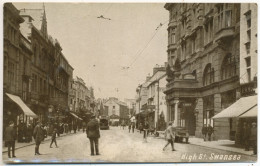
point(148, 77)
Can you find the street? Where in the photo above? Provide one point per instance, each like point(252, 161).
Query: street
point(117, 145)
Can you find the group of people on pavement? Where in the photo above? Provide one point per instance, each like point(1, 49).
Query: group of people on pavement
point(92, 131)
point(207, 131)
point(250, 136)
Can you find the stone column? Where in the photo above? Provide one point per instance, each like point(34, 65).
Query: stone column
point(176, 104)
point(199, 118)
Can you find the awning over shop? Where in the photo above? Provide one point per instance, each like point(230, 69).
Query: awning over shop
point(239, 107)
point(27, 111)
point(251, 113)
point(75, 116)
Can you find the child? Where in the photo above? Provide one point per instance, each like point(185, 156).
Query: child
point(53, 138)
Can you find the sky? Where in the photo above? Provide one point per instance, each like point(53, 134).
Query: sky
point(100, 50)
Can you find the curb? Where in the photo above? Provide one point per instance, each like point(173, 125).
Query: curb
point(33, 143)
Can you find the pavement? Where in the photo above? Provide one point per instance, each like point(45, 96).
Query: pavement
point(118, 145)
point(19, 145)
point(226, 145)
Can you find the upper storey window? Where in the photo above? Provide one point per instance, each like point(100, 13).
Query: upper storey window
point(224, 16)
point(208, 76)
point(228, 68)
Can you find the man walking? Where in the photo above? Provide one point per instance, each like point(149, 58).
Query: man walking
point(133, 127)
point(38, 135)
point(10, 137)
point(169, 136)
point(93, 134)
point(146, 128)
point(53, 138)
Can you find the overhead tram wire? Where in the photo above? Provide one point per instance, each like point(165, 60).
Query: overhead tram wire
point(147, 44)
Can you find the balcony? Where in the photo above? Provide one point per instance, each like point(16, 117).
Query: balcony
point(225, 33)
point(172, 46)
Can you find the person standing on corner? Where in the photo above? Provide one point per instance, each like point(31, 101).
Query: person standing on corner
point(93, 133)
point(204, 132)
point(169, 136)
point(38, 135)
point(146, 128)
point(10, 137)
point(209, 131)
point(253, 138)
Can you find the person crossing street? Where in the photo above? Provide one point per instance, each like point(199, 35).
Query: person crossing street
point(169, 136)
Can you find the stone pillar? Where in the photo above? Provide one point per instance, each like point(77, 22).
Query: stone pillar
point(199, 117)
point(176, 117)
point(221, 126)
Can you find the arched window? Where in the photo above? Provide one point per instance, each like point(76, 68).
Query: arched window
point(208, 76)
point(228, 67)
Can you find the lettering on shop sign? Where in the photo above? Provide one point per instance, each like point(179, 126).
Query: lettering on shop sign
point(186, 104)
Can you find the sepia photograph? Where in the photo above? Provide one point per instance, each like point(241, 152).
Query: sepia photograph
point(128, 82)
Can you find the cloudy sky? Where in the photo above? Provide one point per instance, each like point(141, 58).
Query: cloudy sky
point(113, 56)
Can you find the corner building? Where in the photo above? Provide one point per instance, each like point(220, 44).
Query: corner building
point(203, 65)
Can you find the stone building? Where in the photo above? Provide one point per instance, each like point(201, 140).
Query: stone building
point(49, 68)
point(203, 65)
point(16, 67)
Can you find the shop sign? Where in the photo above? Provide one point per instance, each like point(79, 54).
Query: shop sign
point(186, 104)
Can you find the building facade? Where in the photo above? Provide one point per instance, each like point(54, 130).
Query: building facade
point(117, 110)
point(16, 52)
point(203, 65)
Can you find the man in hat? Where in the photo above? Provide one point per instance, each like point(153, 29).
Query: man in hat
point(93, 134)
point(253, 137)
point(10, 136)
point(38, 135)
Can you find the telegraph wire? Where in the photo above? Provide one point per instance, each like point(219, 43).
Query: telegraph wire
point(147, 44)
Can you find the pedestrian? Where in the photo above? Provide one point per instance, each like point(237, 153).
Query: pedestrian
point(133, 127)
point(129, 127)
point(93, 134)
point(74, 127)
point(10, 137)
point(145, 128)
point(38, 135)
point(53, 138)
point(140, 127)
point(253, 138)
point(169, 136)
point(204, 132)
point(84, 126)
point(246, 135)
point(29, 133)
point(123, 124)
point(209, 131)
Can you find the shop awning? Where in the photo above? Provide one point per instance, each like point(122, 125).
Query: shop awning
point(251, 113)
point(76, 116)
point(27, 111)
point(241, 106)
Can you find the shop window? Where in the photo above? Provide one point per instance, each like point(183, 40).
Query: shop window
point(208, 77)
point(228, 68)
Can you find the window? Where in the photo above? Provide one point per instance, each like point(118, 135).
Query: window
point(183, 51)
point(224, 15)
point(209, 31)
point(228, 68)
point(248, 19)
point(248, 66)
point(193, 45)
point(208, 77)
point(173, 38)
point(249, 35)
point(248, 47)
point(11, 75)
